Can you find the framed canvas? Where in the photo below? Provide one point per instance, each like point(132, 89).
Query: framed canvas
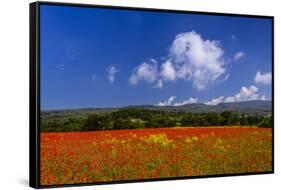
point(121, 94)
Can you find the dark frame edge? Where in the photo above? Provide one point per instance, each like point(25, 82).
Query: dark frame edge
point(118, 7)
point(34, 167)
point(272, 94)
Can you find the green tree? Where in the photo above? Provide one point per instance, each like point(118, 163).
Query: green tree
point(97, 122)
point(266, 122)
point(243, 119)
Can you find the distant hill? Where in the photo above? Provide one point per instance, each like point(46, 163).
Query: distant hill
point(249, 107)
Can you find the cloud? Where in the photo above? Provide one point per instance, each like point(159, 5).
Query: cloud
point(190, 58)
point(170, 100)
point(168, 71)
point(159, 84)
point(191, 100)
point(60, 67)
point(245, 94)
point(147, 71)
point(238, 56)
point(199, 60)
point(215, 101)
point(71, 54)
point(263, 78)
point(94, 77)
point(112, 70)
point(167, 102)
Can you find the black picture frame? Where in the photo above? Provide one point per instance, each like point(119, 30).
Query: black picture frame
point(34, 91)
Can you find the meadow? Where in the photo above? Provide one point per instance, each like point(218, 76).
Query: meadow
point(135, 154)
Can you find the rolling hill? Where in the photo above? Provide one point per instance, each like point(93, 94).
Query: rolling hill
point(249, 107)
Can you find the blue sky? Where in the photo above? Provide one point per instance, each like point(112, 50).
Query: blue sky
point(107, 58)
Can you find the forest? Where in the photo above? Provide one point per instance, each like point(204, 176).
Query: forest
point(131, 118)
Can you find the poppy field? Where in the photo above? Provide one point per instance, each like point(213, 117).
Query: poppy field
point(136, 154)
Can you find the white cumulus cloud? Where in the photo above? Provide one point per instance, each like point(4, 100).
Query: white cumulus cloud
point(112, 70)
point(167, 102)
point(197, 59)
point(190, 58)
point(147, 71)
point(191, 100)
point(245, 94)
point(238, 56)
point(263, 78)
point(168, 71)
point(215, 101)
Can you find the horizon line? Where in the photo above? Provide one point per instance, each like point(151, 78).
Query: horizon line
point(139, 105)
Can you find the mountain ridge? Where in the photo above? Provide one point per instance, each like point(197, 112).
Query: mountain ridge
point(248, 107)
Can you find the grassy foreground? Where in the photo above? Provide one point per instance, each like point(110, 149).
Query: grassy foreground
point(100, 156)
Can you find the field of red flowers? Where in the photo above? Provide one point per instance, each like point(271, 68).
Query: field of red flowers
point(100, 156)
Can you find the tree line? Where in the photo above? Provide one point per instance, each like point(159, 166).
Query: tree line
point(131, 118)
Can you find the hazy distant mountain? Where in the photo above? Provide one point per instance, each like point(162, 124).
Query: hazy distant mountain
point(249, 107)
